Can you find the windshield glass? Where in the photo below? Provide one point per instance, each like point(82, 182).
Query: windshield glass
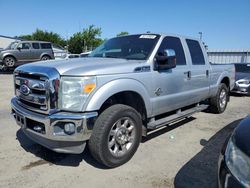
point(243, 68)
point(12, 45)
point(137, 47)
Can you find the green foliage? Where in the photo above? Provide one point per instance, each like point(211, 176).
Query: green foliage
point(45, 36)
point(88, 39)
point(76, 43)
point(122, 33)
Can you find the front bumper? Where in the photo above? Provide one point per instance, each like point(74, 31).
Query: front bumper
point(225, 177)
point(50, 133)
point(241, 90)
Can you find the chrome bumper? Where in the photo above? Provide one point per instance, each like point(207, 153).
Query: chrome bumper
point(53, 136)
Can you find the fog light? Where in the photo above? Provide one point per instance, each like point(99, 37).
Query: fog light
point(69, 128)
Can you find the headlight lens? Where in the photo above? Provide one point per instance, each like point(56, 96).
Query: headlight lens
point(238, 163)
point(242, 81)
point(74, 92)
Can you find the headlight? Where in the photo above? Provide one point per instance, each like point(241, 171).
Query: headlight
point(242, 81)
point(238, 163)
point(74, 92)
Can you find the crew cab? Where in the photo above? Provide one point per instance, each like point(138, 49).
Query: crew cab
point(125, 87)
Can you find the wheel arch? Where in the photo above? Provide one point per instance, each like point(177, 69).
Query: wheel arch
point(124, 91)
point(9, 55)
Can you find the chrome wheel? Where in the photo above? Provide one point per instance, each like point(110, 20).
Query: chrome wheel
point(9, 61)
point(121, 137)
point(223, 98)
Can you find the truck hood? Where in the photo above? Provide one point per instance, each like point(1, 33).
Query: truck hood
point(88, 66)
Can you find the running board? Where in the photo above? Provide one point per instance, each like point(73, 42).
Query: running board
point(154, 124)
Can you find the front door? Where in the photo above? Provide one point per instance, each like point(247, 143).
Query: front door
point(171, 87)
point(23, 52)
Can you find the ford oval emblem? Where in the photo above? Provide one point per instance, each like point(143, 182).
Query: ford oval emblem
point(25, 90)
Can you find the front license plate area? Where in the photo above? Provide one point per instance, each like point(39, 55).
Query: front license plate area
point(20, 120)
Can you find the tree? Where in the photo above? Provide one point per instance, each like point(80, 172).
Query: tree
point(45, 36)
point(85, 40)
point(91, 37)
point(123, 33)
point(76, 43)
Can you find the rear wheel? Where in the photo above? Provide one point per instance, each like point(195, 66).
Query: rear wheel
point(45, 57)
point(116, 135)
point(218, 103)
point(9, 61)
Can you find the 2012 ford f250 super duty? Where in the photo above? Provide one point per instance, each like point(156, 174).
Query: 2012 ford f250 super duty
point(126, 86)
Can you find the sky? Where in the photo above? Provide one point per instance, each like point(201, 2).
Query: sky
point(225, 24)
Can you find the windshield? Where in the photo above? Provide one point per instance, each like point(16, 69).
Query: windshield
point(136, 47)
point(243, 68)
point(12, 45)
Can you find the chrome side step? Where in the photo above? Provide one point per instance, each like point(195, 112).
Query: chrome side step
point(154, 124)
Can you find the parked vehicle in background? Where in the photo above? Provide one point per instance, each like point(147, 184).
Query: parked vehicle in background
point(126, 86)
point(242, 78)
point(59, 51)
point(21, 52)
point(234, 160)
point(85, 54)
point(71, 56)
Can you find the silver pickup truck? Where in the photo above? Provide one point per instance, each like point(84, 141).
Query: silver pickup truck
point(126, 87)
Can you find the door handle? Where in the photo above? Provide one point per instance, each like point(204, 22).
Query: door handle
point(207, 73)
point(188, 73)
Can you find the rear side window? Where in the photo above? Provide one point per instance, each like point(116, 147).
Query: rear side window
point(45, 45)
point(174, 44)
point(35, 45)
point(195, 52)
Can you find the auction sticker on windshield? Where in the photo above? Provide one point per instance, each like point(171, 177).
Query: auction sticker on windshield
point(147, 36)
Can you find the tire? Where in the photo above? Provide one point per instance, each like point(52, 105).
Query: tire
point(9, 61)
point(116, 135)
point(45, 58)
point(218, 103)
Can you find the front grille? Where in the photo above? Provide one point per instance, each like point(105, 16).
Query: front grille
point(37, 96)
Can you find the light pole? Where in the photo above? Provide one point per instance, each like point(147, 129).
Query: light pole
point(200, 33)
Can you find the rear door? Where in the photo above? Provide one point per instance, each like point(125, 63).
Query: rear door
point(199, 72)
point(35, 51)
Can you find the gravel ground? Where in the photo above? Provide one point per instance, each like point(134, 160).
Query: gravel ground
point(182, 155)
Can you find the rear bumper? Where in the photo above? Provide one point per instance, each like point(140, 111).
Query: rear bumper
point(51, 133)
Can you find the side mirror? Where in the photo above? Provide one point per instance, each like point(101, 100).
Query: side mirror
point(165, 60)
point(19, 48)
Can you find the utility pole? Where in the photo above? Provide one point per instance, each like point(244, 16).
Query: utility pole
point(200, 33)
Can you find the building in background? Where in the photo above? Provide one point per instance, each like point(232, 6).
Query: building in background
point(229, 56)
point(5, 41)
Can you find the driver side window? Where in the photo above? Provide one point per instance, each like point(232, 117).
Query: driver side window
point(24, 46)
point(175, 44)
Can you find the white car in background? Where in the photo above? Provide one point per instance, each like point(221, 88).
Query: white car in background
point(59, 51)
point(71, 56)
point(85, 54)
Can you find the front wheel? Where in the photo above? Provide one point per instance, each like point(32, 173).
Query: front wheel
point(116, 135)
point(9, 61)
point(218, 103)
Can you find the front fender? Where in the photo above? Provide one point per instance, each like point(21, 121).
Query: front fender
point(116, 86)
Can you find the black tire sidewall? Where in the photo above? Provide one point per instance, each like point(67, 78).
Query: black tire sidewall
point(222, 86)
point(107, 158)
